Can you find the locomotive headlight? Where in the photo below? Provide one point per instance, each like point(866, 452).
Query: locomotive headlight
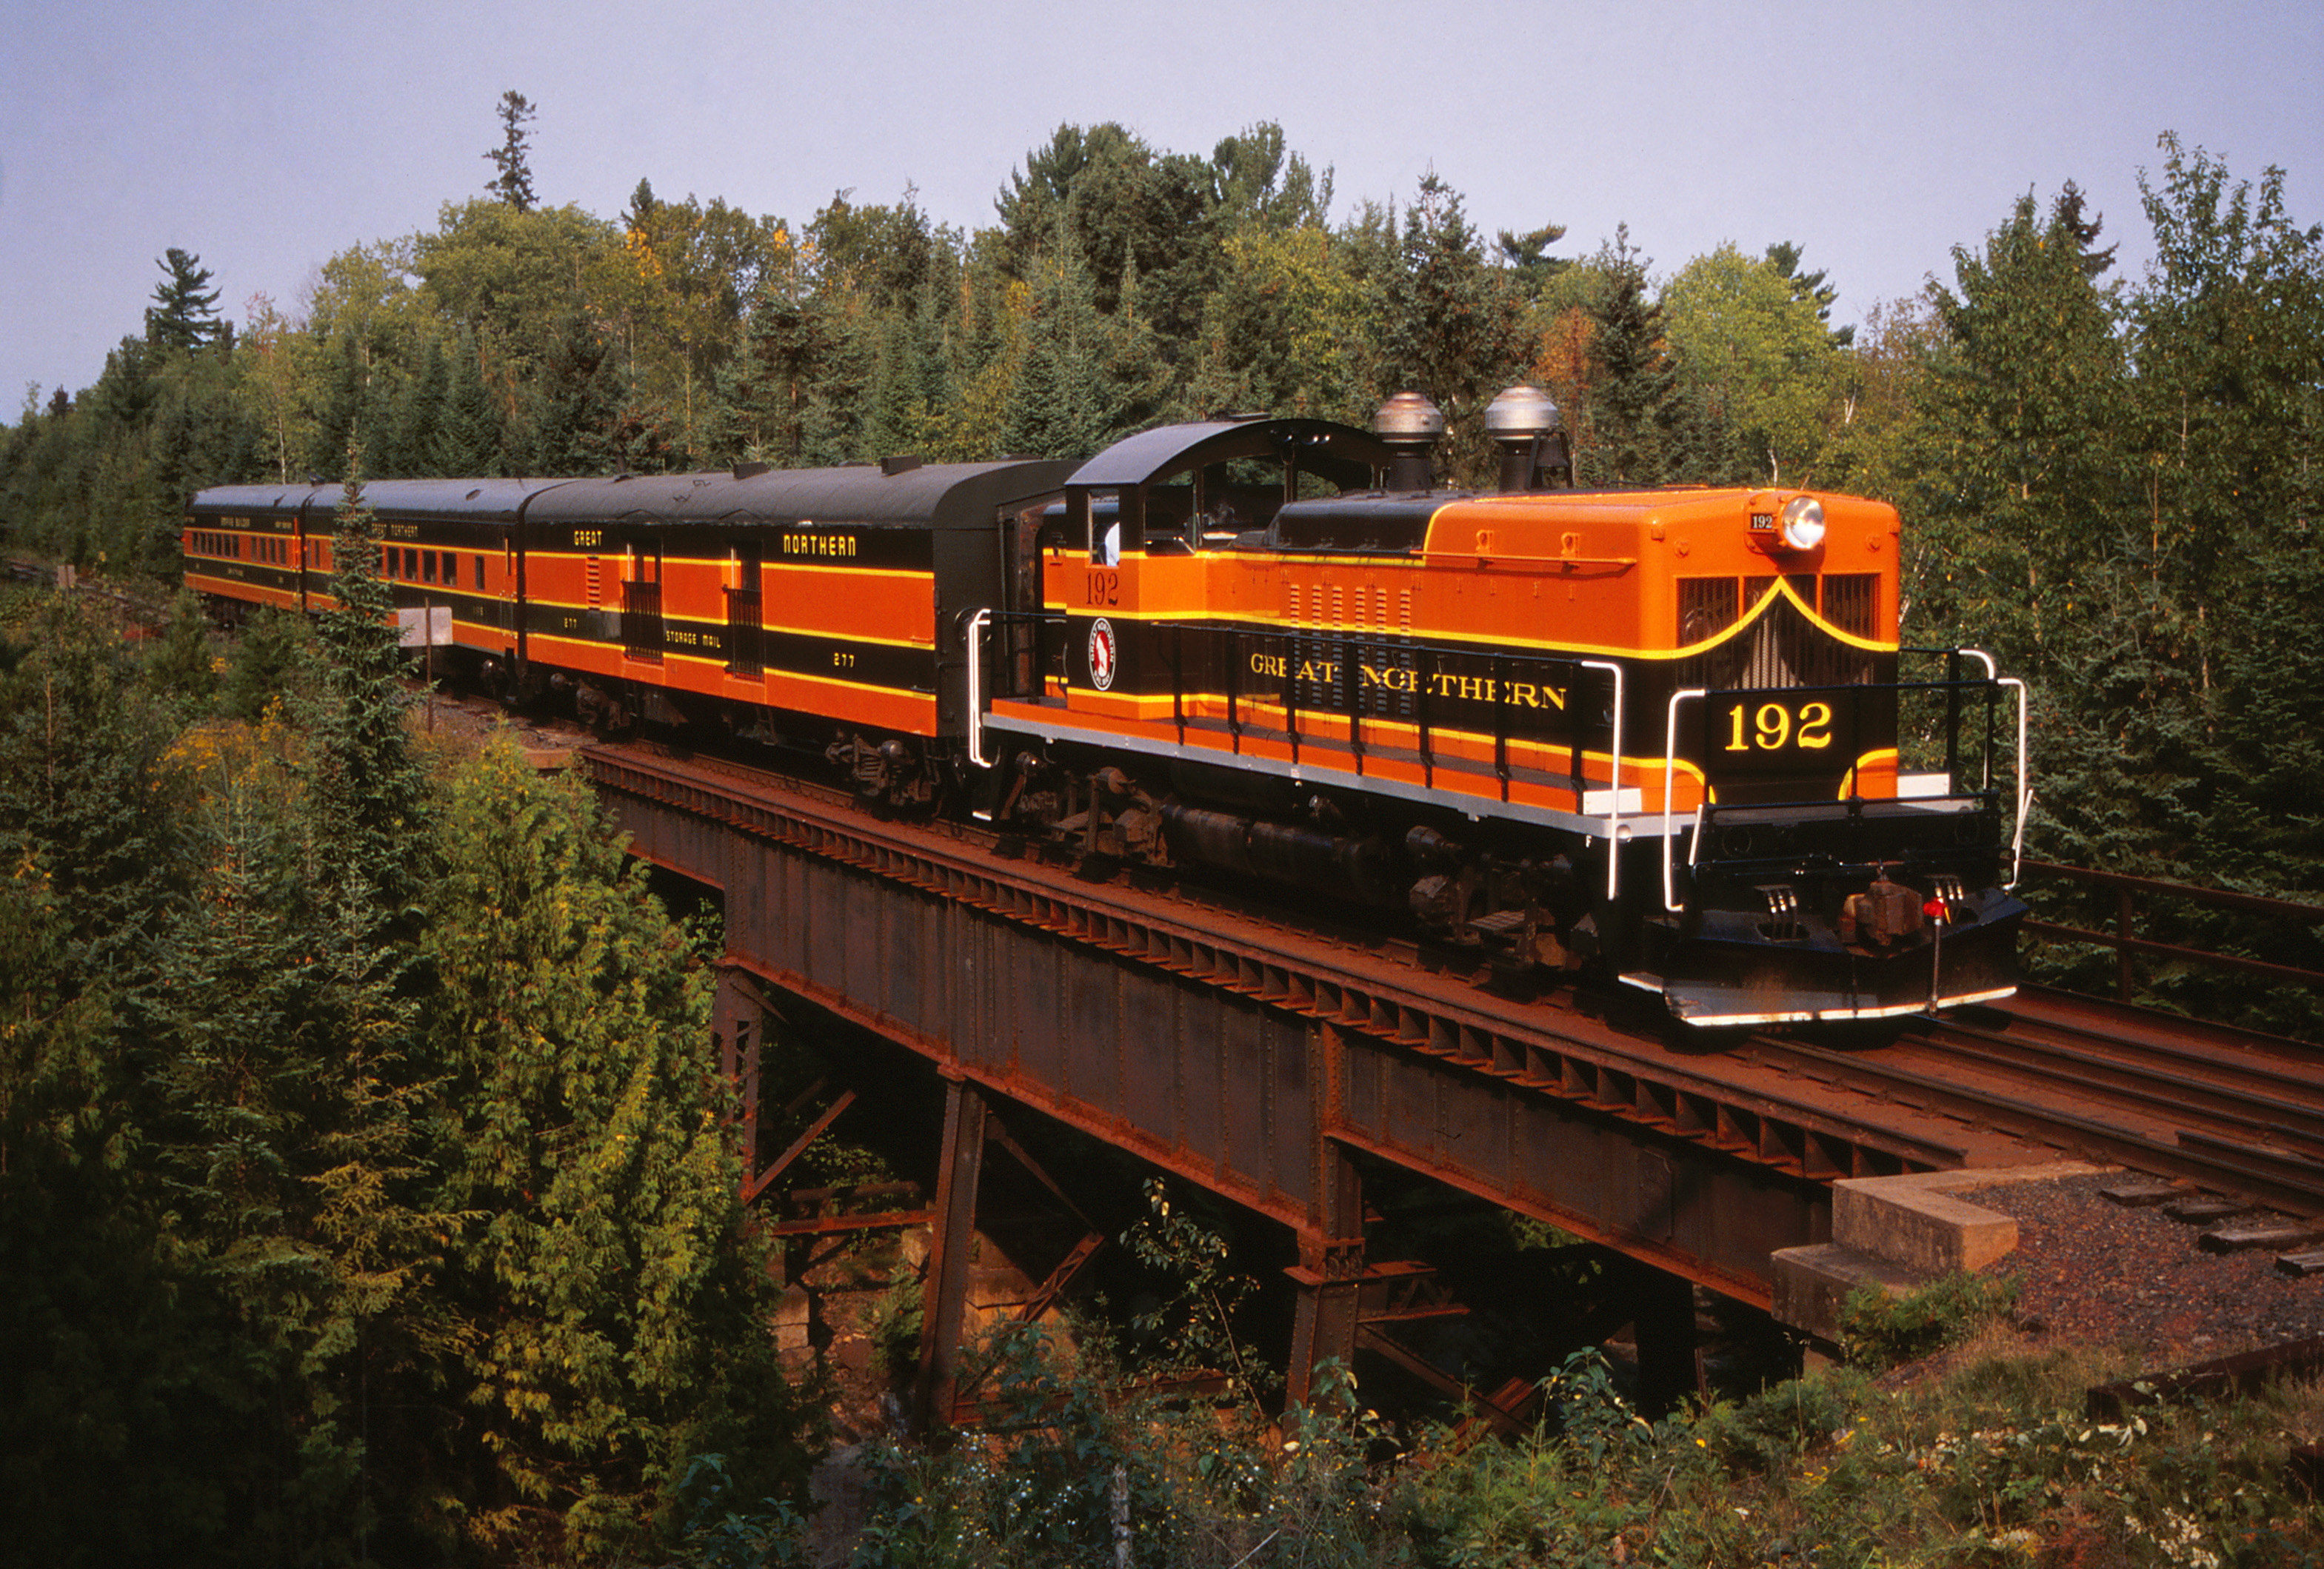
point(1802, 523)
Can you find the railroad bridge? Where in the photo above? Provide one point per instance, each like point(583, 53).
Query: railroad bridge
point(1255, 1061)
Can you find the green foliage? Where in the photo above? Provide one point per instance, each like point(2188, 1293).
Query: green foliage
point(1989, 1465)
point(723, 1532)
point(1141, 226)
point(182, 665)
point(1808, 289)
point(617, 1313)
point(1275, 330)
point(317, 1243)
point(272, 662)
point(1190, 1327)
point(2025, 474)
point(1756, 353)
point(288, 1145)
point(2118, 492)
point(89, 793)
point(1074, 1466)
point(1879, 1330)
point(200, 1099)
point(368, 786)
point(1449, 323)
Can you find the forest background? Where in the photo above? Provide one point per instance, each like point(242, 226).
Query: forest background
point(357, 1146)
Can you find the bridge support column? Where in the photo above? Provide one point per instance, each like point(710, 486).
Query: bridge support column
point(739, 1020)
point(1330, 1273)
point(944, 1299)
point(1668, 1370)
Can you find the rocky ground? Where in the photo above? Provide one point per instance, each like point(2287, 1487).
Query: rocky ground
point(2095, 1272)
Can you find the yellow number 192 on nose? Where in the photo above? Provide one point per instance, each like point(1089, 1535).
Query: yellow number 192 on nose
point(1771, 728)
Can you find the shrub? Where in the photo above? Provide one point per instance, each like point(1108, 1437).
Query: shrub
point(1877, 1330)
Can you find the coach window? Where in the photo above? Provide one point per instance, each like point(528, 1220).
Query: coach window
point(428, 566)
point(480, 574)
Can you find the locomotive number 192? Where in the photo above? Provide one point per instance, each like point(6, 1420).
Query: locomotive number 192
point(1776, 727)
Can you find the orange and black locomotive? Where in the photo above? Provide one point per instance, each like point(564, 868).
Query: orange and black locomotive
point(1667, 735)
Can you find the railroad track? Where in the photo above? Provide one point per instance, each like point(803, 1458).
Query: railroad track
point(2225, 1109)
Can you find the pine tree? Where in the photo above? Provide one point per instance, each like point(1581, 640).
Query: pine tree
point(576, 403)
point(1636, 410)
point(420, 426)
point(289, 1140)
point(180, 664)
point(468, 437)
point(1054, 402)
point(273, 664)
point(513, 182)
point(1809, 288)
point(353, 410)
point(369, 788)
point(1452, 325)
point(2027, 471)
point(184, 316)
point(125, 1396)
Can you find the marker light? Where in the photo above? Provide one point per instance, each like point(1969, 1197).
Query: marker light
point(1802, 523)
point(1935, 910)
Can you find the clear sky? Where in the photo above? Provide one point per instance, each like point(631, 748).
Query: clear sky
point(265, 135)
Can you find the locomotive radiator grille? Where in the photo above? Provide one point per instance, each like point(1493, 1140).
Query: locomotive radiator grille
point(1782, 648)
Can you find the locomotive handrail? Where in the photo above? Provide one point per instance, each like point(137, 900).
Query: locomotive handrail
point(2022, 803)
point(1613, 779)
point(975, 632)
point(1297, 645)
point(1670, 779)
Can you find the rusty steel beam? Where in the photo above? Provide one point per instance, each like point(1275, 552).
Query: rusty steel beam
point(1479, 1405)
point(1045, 1293)
point(946, 1299)
point(755, 1186)
point(835, 1225)
point(1242, 1064)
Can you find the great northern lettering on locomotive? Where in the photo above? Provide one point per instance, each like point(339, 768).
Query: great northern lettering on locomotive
point(1669, 735)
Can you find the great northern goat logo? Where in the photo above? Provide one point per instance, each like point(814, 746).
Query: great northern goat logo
point(1103, 655)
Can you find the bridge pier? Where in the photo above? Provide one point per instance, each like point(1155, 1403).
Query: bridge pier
point(1330, 1273)
point(960, 1168)
point(1668, 1369)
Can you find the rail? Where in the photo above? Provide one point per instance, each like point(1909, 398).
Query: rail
point(2129, 945)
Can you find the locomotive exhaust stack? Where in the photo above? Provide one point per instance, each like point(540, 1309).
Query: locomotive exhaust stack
point(1411, 426)
point(1526, 428)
